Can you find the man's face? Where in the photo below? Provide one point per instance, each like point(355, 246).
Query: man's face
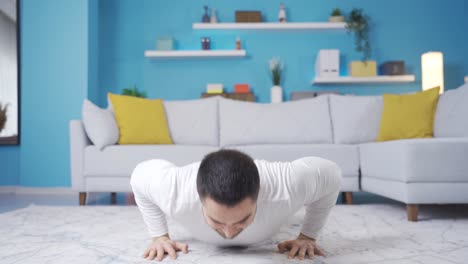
point(229, 221)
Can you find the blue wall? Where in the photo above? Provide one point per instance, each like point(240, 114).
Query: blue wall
point(9, 165)
point(54, 83)
point(84, 48)
point(402, 30)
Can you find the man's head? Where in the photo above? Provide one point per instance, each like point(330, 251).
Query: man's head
point(228, 184)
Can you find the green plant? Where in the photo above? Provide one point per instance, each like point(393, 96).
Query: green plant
point(133, 91)
point(336, 12)
point(3, 116)
point(276, 68)
point(359, 23)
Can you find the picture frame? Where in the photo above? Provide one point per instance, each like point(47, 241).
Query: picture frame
point(10, 72)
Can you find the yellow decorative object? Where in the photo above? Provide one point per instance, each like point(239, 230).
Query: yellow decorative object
point(363, 69)
point(140, 121)
point(214, 92)
point(409, 115)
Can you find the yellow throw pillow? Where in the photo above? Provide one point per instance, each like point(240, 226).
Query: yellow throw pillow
point(409, 115)
point(140, 121)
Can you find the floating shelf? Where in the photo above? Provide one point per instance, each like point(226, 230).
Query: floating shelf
point(375, 79)
point(273, 26)
point(194, 53)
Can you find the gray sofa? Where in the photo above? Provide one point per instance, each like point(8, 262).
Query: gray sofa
point(340, 128)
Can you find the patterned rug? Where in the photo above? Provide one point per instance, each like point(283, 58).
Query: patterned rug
point(116, 234)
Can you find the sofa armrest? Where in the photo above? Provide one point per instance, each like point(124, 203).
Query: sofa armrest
point(78, 142)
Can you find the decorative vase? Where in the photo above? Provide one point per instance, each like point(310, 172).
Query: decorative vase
point(206, 17)
point(276, 94)
point(213, 18)
point(336, 19)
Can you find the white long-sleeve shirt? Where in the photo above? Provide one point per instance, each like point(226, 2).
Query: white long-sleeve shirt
point(164, 191)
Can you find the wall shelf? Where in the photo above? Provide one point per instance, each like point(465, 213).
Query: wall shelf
point(272, 26)
point(374, 79)
point(194, 53)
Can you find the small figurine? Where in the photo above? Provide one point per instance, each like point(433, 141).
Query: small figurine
point(282, 14)
point(214, 18)
point(206, 17)
point(238, 44)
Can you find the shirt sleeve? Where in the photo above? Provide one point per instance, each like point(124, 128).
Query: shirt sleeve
point(318, 182)
point(141, 178)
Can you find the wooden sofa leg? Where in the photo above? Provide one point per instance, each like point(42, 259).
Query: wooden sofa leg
point(113, 198)
point(82, 198)
point(412, 211)
point(347, 197)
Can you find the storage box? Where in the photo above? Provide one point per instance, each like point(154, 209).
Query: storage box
point(248, 16)
point(363, 69)
point(241, 88)
point(328, 63)
point(392, 68)
point(165, 43)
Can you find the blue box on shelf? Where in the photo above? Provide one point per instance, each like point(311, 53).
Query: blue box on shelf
point(165, 43)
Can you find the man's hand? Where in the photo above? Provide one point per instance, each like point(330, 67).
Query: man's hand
point(301, 247)
point(162, 245)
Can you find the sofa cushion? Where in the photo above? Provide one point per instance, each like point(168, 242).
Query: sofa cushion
point(355, 119)
point(193, 122)
point(416, 160)
point(346, 156)
point(303, 121)
point(451, 114)
point(120, 160)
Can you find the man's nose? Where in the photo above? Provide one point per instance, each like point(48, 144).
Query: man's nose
point(229, 231)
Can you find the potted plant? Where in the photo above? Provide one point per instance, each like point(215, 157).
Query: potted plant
point(336, 16)
point(359, 23)
point(133, 91)
point(3, 116)
point(276, 69)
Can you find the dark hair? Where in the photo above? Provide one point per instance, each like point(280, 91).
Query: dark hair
point(228, 177)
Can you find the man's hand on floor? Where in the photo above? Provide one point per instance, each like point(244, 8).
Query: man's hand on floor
point(301, 246)
point(162, 245)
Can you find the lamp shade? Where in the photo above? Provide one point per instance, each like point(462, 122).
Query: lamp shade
point(432, 64)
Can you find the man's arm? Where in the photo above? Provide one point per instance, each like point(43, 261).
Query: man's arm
point(153, 216)
point(315, 182)
point(321, 181)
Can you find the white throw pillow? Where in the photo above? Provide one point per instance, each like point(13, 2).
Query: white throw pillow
point(100, 125)
point(451, 118)
point(355, 119)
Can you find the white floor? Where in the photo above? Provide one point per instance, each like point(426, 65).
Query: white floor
point(366, 233)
